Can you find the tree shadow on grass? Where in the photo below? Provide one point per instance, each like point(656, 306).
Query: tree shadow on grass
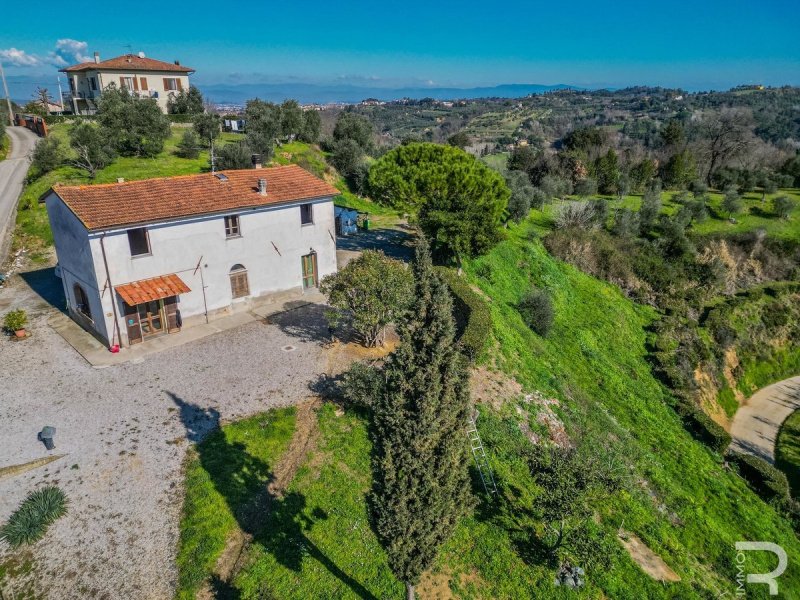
point(284, 536)
point(278, 523)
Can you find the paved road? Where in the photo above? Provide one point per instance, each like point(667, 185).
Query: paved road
point(755, 425)
point(12, 176)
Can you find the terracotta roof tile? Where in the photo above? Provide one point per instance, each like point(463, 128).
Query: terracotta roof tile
point(147, 290)
point(104, 206)
point(129, 62)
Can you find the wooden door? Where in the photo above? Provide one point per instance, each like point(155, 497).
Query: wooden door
point(309, 271)
point(171, 310)
point(151, 318)
point(132, 323)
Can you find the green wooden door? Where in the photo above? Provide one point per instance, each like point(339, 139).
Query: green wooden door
point(309, 271)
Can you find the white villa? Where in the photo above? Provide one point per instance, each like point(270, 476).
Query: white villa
point(144, 258)
point(141, 76)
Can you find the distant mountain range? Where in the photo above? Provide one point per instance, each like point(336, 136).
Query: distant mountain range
point(307, 93)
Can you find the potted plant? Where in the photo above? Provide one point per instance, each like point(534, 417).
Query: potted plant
point(15, 321)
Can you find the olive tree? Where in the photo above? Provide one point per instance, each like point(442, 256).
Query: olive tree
point(371, 292)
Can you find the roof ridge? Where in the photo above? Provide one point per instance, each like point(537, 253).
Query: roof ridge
point(58, 184)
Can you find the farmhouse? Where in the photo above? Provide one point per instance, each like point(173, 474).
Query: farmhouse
point(144, 258)
point(141, 76)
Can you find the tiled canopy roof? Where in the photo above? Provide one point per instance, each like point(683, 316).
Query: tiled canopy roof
point(147, 290)
point(106, 206)
point(129, 62)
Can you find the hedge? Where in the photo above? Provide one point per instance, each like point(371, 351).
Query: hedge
point(765, 479)
point(701, 426)
point(471, 312)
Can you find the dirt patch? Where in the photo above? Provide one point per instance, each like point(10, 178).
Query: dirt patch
point(650, 562)
point(304, 441)
point(546, 416)
point(493, 388)
point(435, 586)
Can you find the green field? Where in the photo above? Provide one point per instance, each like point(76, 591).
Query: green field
point(681, 501)
point(787, 451)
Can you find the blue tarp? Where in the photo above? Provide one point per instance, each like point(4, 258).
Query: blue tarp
point(346, 220)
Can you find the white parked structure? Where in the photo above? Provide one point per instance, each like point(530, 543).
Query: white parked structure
point(141, 76)
point(144, 258)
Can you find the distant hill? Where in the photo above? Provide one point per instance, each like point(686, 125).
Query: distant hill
point(311, 93)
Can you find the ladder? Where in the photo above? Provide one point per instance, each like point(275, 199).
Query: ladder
point(478, 452)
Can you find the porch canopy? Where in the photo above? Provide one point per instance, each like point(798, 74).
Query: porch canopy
point(148, 290)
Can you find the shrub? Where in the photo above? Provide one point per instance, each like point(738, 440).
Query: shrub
point(30, 521)
point(360, 385)
point(537, 311)
point(47, 155)
point(766, 480)
point(189, 146)
point(472, 315)
point(703, 427)
point(15, 320)
point(783, 206)
point(575, 214)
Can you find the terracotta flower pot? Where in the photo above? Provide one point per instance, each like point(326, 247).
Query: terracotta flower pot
point(20, 333)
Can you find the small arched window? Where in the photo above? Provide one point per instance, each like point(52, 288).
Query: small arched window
point(81, 300)
point(239, 284)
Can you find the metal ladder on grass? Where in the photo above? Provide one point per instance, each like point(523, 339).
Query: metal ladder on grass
point(478, 452)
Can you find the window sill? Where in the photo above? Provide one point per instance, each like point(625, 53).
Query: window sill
point(135, 256)
point(307, 224)
point(233, 237)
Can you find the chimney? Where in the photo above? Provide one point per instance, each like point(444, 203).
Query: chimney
point(96, 57)
point(177, 62)
point(120, 180)
point(141, 54)
point(255, 159)
point(262, 187)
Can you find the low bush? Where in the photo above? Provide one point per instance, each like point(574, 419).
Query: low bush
point(360, 385)
point(537, 311)
point(702, 427)
point(472, 315)
point(766, 480)
point(37, 512)
point(15, 320)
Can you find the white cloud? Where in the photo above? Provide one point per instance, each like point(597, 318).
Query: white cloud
point(69, 52)
point(19, 58)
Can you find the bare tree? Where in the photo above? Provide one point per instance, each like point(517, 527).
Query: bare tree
point(723, 136)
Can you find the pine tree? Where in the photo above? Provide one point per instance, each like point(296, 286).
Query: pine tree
point(420, 456)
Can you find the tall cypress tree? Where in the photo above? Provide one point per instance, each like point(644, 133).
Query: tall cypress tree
point(420, 456)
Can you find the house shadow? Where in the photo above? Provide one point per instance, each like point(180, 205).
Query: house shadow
point(45, 283)
point(394, 243)
point(307, 322)
point(276, 522)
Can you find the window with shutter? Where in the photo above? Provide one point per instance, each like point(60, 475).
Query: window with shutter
point(239, 284)
point(143, 82)
point(180, 85)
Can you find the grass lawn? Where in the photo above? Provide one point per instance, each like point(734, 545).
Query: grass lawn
point(5, 146)
point(787, 451)
point(756, 214)
point(682, 502)
point(227, 469)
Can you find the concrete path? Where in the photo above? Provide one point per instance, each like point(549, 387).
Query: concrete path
point(12, 176)
point(755, 425)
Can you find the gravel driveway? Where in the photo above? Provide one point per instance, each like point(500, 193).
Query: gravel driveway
point(124, 432)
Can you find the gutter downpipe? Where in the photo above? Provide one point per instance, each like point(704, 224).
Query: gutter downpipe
point(111, 288)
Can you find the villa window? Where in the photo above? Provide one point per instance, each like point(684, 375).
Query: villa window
point(139, 241)
point(232, 226)
point(306, 214)
point(172, 84)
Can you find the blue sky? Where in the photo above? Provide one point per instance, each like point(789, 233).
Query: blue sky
point(703, 44)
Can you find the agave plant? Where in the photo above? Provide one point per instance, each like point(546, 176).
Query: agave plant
point(30, 521)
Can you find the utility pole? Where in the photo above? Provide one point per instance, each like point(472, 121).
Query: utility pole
point(213, 166)
point(60, 97)
point(8, 98)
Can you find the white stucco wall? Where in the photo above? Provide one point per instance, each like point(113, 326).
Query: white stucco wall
point(179, 246)
point(77, 264)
